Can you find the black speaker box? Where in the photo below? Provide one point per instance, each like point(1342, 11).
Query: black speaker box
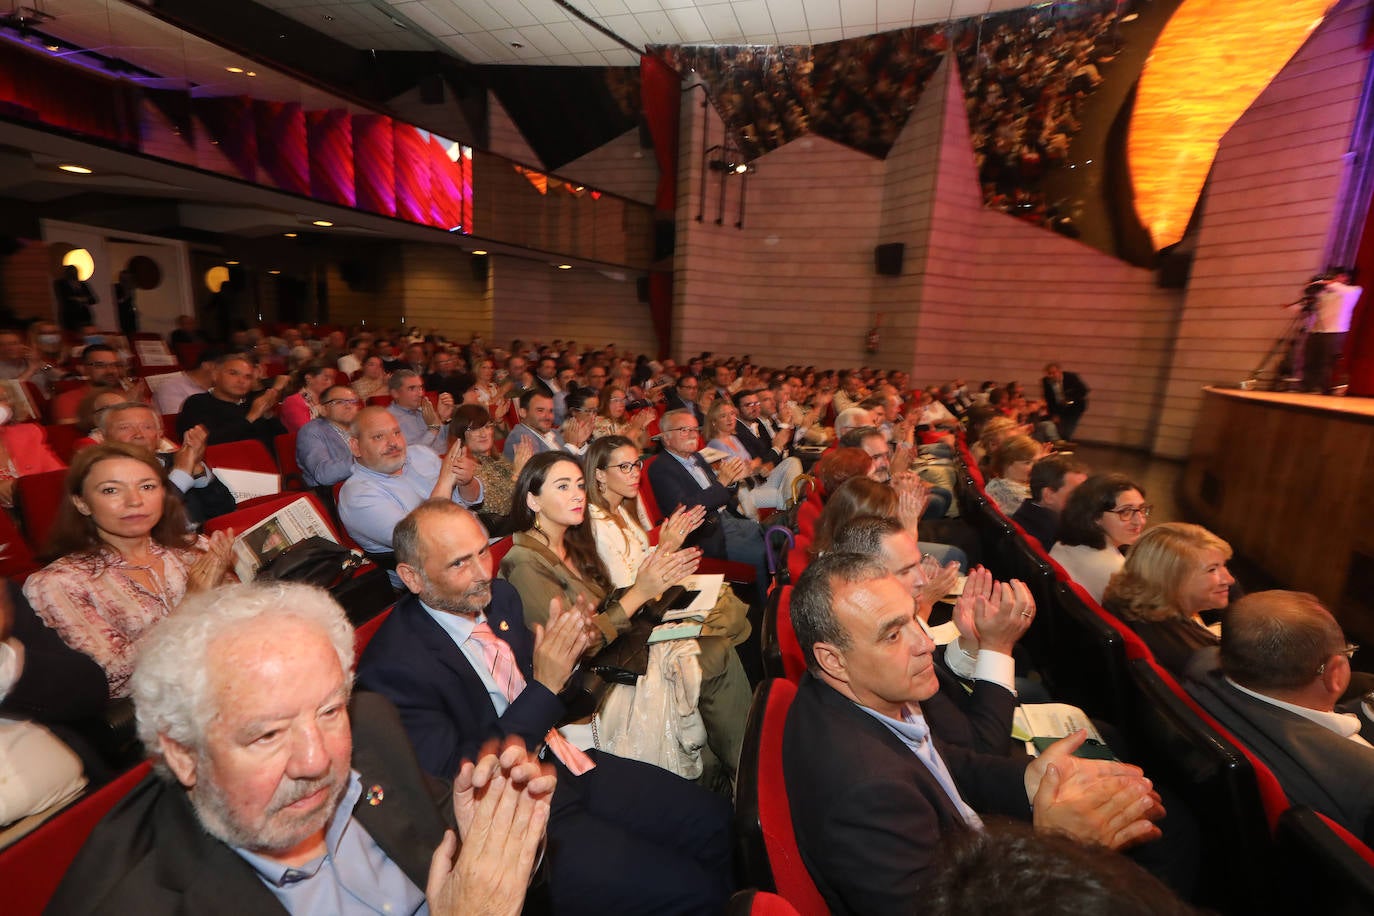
point(887, 259)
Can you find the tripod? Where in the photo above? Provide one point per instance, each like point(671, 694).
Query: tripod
point(1289, 347)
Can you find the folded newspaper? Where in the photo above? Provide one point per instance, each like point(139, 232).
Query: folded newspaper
point(261, 544)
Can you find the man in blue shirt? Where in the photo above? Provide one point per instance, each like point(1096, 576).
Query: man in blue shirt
point(422, 422)
point(322, 450)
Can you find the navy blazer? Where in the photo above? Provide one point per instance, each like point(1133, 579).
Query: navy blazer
point(758, 446)
point(674, 486)
point(444, 705)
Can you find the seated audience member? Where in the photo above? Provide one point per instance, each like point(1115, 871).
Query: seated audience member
point(756, 428)
point(473, 426)
point(204, 495)
point(864, 496)
point(271, 780)
point(310, 382)
point(990, 438)
point(942, 479)
point(1008, 867)
point(1012, 464)
point(1284, 664)
point(229, 411)
point(172, 392)
point(612, 420)
point(456, 658)
point(352, 361)
point(90, 411)
point(124, 557)
point(446, 377)
point(683, 396)
point(681, 477)
point(487, 387)
point(422, 422)
point(103, 368)
point(40, 771)
point(620, 531)
point(536, 426)
point(769, 485)
point(580, 407)
point(371, 381)
point(1105, 514)
point(391, 478)
point(1174, 573)
point(185, 332)
point(874, 791)
point(978, 673)
point(851, 418)
point(23, 451)
point(841, 464)
point(1052, 480)
point(45, 340)
point(18, 361)
point(322, 450)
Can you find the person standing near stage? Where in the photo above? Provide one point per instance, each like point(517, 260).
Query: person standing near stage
point(1066, 398)
point(1334, 306)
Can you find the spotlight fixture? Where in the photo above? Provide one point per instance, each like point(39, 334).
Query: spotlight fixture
point(288, 235)
point(75, 169)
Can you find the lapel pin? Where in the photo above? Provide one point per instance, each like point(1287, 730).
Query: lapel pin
point(503, 626)
point(375, 795)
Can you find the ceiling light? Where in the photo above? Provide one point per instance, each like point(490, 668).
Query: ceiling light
point(322, 223)
point(565, 267)
point(251, 73)
point(234, 69)
point(53, 47)
point(232, 263)
point(75, 169)
point(289, 235)
point(274, 272)
point(479, 251)
point(741, 169)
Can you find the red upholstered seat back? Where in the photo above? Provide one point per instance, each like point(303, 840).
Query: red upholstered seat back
point(793, 658)
point(363, 634)
point(31, 869)
point(40, 495)
point(792, 879)
point(245, 454)
point(646, 494)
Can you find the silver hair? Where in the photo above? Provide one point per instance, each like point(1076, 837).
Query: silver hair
point(852, 418)
point(106, 413)
point(171, 679)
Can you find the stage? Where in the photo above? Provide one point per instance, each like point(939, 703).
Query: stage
point(1288, 480)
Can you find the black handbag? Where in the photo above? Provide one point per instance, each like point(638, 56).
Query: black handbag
point(313, 561)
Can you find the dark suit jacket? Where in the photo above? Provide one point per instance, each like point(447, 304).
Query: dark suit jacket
point(150, 854)
point(1315, 766)
point(674, 486)
point(1039, 522)
point(1074, 390)
point(760, 445)
point(867, 813)
point(442, 701)
point(203, 503)
point(978, 718)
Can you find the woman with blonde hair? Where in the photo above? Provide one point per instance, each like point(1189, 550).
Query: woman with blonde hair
point(1012, 464)
point(1173, 574)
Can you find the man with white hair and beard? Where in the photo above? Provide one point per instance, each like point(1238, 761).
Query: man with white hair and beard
point(276, 794)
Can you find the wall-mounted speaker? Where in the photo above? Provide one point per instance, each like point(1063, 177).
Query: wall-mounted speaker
point(887, 259)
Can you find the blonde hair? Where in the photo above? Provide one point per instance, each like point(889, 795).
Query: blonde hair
point(1147, 587)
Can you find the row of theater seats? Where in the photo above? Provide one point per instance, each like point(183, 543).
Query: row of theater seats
point(1260, 853)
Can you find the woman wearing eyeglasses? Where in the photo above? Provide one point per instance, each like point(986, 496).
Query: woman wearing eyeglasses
point(1104, 516)
point(620, 528)
point(474, 426)
point(614, 421)
point(1174, 574)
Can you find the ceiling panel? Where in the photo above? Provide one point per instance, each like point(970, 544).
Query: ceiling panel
point(483, 31)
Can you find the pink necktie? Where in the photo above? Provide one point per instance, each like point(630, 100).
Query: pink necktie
point(501, 660)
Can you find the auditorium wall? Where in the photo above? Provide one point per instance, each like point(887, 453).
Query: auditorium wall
point(1266, 218)
point(537, 301)
point(621, 166)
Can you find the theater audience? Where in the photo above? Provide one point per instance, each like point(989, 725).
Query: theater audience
point(768, 485)
point(1174, 574)
point(204, 495)
point(103, 369)
point(309, 383)
point(1104, 516)
point(230, 411)
point(422, 423)
point(371, 380)
point(1052, 481)
point(173, 390)
point(1284, 665)
point(535, 409)
point(322, 451)
point(472, 425)
point(861, 496)
point(1012, 465)
point(613, 420)
point(124, 557)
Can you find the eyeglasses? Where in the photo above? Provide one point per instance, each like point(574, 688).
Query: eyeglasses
point(342, 401)
point(617, 400)
point(1126, 513)
point(748, 404)
point(1349, 652)
point(584, 410)
point(113, 365)
point(626, 467)
point(684, 429)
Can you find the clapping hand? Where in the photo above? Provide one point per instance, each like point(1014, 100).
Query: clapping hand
point(663, 569)
point(732, 471)
point(210, 567)
point(524, 450)
point(558, 643)
point(679, 525)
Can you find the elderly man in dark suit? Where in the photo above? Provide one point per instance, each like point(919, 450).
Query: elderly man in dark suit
point(276, 795)
point(872, 790)
point(457, 660)
point(1284, 665)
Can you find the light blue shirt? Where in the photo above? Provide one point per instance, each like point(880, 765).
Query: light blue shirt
point(323, 454)
point(354, 877)
point(913, 731)
point(416, 430)
point(693, 468)
point(372, 503)
point(459, 629)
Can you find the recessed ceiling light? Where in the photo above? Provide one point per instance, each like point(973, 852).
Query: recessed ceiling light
point(234, 69)
point(53, 47)
point(516, 45)
point(251, 73)
point(322, 223)
point(289, 235)
point(75, 169)
point(479, 251)
point(565, 267)
point(327, 18)
point(274, 272)
point(231, 263)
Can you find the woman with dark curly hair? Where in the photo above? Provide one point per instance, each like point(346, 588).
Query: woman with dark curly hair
point(1105, 515)
point(123, 557)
